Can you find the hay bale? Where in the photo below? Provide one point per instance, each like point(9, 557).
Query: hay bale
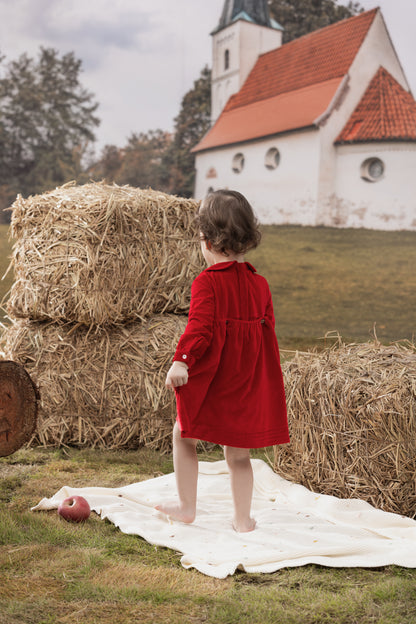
point(352, 413)
point(99, 388)
point(102, 254)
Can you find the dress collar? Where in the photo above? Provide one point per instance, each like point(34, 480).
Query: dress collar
point(223, 266)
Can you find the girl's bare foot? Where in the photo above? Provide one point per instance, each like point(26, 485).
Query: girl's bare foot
point(244, 527)
point(177, 512)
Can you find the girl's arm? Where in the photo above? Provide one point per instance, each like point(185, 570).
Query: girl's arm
point(198, 333)
point(269, 310)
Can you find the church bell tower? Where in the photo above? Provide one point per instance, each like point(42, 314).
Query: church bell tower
point(245, 31)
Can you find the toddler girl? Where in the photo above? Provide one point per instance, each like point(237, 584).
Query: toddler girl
point(226, 369)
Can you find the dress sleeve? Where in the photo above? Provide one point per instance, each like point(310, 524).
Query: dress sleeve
point(199, 330)
point(269, 309)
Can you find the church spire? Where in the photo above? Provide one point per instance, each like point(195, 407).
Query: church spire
point(255, 11)
point(245, 31)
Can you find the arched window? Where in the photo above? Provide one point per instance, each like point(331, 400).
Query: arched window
point(227, 59)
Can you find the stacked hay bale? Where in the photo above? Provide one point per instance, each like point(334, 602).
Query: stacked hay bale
point(352, 412)
point(101, 293)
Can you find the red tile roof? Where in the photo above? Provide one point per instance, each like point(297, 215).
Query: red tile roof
point(276, 114)
point(316, 62)
point(319, 56)
point(386, 112)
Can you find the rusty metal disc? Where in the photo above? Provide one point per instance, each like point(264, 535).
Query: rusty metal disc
point(18, 407)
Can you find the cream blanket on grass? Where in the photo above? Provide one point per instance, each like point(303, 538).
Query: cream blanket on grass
point(294, 525)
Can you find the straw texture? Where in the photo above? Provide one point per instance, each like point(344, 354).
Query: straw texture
point(102, 254)
point(100, 387)
point(352, 418)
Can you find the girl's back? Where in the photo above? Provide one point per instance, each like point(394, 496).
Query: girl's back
point(240, 293)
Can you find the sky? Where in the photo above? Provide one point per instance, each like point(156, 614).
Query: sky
point(140, 57)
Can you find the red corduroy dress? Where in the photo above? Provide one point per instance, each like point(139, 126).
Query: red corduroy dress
point(235, 394)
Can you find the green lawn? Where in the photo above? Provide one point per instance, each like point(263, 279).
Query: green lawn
point(333, 280)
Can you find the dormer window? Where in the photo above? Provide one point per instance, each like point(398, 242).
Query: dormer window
point(226, 59)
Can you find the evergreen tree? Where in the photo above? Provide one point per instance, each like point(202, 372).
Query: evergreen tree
point(192, 122)
point(300, 17)
point(47, 122)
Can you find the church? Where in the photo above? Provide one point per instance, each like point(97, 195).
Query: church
point(317, 131)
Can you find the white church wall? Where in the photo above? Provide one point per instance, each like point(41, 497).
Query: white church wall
point(225, 82)
point(386, 204)
point(377, 50)
point(284, 194)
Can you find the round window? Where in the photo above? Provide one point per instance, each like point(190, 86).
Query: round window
point(372, 169)
point(238, 163)
point(272, 158)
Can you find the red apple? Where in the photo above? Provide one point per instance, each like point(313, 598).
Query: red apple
point(74, 509)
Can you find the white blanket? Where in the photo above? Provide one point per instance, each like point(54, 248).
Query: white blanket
point(294, 525)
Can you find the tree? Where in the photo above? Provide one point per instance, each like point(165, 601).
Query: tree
point(142, 160)
point(109, 165)
point(139, 163)
point(157, 159)
point(47, 122)
point(192, 122)
point(300, 17)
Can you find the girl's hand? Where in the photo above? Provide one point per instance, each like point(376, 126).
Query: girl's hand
point(177, 375)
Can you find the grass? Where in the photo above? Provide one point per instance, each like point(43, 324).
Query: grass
point(52, 571)
point(346, 281)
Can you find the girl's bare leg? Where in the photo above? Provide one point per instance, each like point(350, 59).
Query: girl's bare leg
point(185, 463)
point(241, 475)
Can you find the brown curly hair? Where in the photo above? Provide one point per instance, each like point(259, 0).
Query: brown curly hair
point(227, 221)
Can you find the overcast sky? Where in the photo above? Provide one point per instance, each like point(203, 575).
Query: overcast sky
point(140, 57)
